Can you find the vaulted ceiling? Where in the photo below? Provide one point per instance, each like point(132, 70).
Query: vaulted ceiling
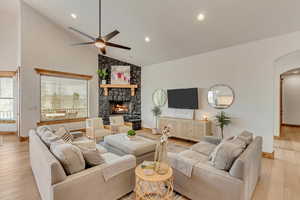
point(172, 25)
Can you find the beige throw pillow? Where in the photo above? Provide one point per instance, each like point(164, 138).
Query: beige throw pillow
point(42, 129)
point(69, 156)
point(224, 155)
point(48, 137)
point(92, 157)
point(246, 136)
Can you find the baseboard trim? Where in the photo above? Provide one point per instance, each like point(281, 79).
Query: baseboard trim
point(291, 125)
point(269, 155)
point(23, 139)
point(8, 133)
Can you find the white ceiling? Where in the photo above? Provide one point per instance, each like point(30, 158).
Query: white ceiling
point(172, 25)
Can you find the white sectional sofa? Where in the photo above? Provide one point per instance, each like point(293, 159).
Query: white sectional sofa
point(89, 184)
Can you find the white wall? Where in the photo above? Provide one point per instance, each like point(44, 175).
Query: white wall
point(9, 50)
point(248, 68)
point(46, 45)
point(291, 100)
point(9, 41)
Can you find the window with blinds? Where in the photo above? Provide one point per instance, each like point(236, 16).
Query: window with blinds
point(7, 99)
point(63, 98)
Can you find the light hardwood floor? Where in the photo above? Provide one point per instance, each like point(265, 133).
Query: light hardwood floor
point(280, 179)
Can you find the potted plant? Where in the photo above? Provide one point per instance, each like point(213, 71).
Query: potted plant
point(156, 112)
point(131, 134)
point(222, 120)
point(102, 74)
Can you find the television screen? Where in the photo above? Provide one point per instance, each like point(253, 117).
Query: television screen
point(183, 98)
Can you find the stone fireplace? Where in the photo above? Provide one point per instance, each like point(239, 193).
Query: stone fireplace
point(119, 101)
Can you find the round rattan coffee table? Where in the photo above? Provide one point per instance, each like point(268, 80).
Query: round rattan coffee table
point(153, 187)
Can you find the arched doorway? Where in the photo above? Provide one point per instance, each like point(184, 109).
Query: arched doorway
point(287, 64)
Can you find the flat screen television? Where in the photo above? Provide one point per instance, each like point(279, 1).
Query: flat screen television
point(183, 98)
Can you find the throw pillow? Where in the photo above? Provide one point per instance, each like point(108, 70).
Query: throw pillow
point(49, 137)
point(246, 136)
point(238, 141)
point(60, 132)
point(42, 129)
point(69, 156)
point(67, 137)
point(92, 157)
point(224, 155)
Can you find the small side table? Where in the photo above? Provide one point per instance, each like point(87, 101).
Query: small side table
point(153, 187)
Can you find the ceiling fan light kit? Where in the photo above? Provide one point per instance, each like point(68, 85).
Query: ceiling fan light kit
point(101, 42)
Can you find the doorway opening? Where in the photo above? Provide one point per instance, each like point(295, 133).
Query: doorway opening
point(289, 110)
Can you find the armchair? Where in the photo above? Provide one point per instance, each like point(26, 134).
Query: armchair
point(95, 129)
point(118, 124)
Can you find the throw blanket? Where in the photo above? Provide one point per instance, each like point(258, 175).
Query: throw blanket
point(182, 164)
point(118, 166)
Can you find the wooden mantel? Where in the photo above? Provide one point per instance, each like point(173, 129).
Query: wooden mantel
point(107, 86)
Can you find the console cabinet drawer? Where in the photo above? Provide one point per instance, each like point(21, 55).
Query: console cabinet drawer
point(186, 129)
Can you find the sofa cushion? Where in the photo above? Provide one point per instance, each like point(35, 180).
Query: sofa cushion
point(69, 156)
point(204, 147)
point(193, 155)
point(110, 157)
point(224, 155)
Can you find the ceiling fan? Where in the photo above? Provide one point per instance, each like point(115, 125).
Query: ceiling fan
point(100, 42)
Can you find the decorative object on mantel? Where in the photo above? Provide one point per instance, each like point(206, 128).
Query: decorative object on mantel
point(120, 75)
point(220, 96)
point(102, 74)
point(156, 112)
point(222, 120)
point(131, 134)
point(106, 86)
point(161, 157)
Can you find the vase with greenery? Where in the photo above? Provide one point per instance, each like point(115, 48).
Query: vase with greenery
point(222, 120)
point(131, 133)
point(156, 112)
point(102, 74)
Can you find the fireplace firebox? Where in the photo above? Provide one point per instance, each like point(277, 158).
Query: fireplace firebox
point(119, 107)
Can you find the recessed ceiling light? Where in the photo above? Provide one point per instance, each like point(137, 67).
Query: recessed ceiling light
point(147, 39)
point(201, 17)
point(74, 16)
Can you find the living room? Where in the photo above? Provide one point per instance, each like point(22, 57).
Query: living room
point(193, 49)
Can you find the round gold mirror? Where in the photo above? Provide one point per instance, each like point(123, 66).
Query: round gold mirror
point(159, 97)
point(220, 96)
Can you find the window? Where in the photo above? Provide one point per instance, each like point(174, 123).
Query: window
point(63, 98)
point(6, 99)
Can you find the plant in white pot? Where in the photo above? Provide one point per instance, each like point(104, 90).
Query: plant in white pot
point(102, 74)
point(156, 113)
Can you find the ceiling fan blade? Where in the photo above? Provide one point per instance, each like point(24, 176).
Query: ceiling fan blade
point(103, 50)
point(110, 35)
point(84, 43)
point(116, 45)
point(82, 33)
